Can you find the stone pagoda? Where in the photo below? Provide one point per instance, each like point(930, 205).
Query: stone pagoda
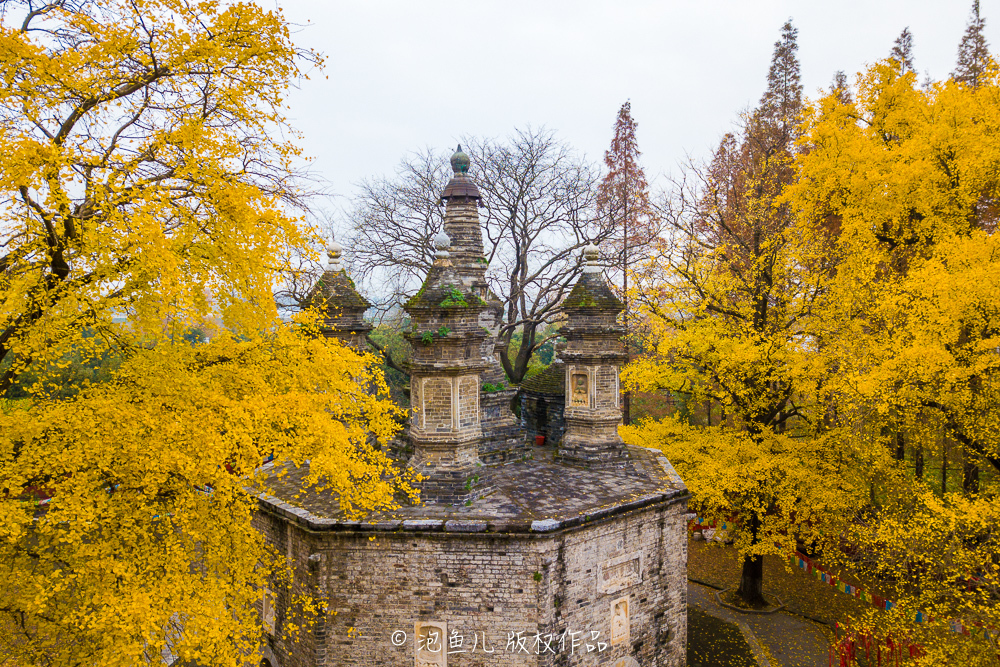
point(592, 359)
point(336, 297)
point(572, 556)
point(502, 440)
point(452, 345)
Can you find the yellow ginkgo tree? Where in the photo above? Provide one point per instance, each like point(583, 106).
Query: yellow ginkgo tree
point(730, 303)
point(146, 180)
point(901, 188)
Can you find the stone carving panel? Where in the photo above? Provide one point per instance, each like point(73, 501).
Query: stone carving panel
point(267, 611)
point(627, 661)
point(620, 621)
point(429, 644)
point(436, 399)
point(619, 573)
point(579, 390)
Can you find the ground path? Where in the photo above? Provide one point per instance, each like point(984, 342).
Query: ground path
point(781, 639)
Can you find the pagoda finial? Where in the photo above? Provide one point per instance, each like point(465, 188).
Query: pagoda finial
point(590, 254)
point(333, 252)
point(460, 161)
point(442, 242)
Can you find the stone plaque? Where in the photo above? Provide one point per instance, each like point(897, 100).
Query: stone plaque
point(579, 393)
point(267, 611)
point(619, 573)
point(620, 621)
point(428, 644)
point(627, 661)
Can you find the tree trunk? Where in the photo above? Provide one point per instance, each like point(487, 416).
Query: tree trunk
point(944, 467)
point(900, 446)
point(751, 589)
point(918, 462)
point(970, 477)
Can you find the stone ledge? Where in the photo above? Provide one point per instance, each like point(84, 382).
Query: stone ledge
point(456, 526)
point(423, 524)
point(326, 524)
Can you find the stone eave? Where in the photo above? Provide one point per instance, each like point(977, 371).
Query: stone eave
point(315, 523)
point(671, 490)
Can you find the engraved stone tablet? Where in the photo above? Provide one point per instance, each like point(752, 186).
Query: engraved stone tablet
point(267, 611)
point(627, 661)
point(428, 644)
point(620, 573)
point(619, 621)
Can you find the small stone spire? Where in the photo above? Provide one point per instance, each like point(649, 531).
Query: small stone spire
point(333, 253)
point(591, 253)
point(337, 298)
point(593, 355)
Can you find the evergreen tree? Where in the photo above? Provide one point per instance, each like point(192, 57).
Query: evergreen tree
point(902, 51)
point(782, 100)
point(624, 196)
point(973, 51)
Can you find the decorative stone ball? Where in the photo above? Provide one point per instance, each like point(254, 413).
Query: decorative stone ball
point(460, 161)
point(333, 251)
point(442, 242)
point(591, 252)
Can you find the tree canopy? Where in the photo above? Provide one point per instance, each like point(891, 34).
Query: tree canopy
point(839, 297)
point(148, 190)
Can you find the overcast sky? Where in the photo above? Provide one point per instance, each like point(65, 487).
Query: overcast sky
point(403, 75)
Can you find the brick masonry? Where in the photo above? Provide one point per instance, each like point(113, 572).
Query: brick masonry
point(497, 569)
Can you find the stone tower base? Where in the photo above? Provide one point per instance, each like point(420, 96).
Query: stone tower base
point(558, 567)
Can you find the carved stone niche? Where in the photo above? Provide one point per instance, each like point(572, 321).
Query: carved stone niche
point(627, 661)
point(267, 611)
point(620, 620)
point(428, 644)
point(579, 389)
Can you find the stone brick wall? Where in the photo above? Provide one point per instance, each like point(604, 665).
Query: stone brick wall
point(607, 388)
point(566, 581)
point(468, 400)
point(543, 414)
point(310, 648)
point(657, 605)
point(435, 402)
point(503, 440)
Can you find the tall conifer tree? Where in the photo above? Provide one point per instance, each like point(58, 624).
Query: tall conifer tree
point(902, 51)
point(726, 307)
point(973, 51)
point(782, 100)
point(973, 59)
point(624, 196)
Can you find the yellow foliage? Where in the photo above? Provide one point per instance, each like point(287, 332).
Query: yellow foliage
point(901, 188)
point(145, 176)
point(863, 299)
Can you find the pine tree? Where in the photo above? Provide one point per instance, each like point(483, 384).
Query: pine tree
point(782, 101)
point(902, 51)
point(973, 51)
point(624, 195)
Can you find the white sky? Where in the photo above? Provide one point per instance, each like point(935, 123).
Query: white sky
point(404, 75)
